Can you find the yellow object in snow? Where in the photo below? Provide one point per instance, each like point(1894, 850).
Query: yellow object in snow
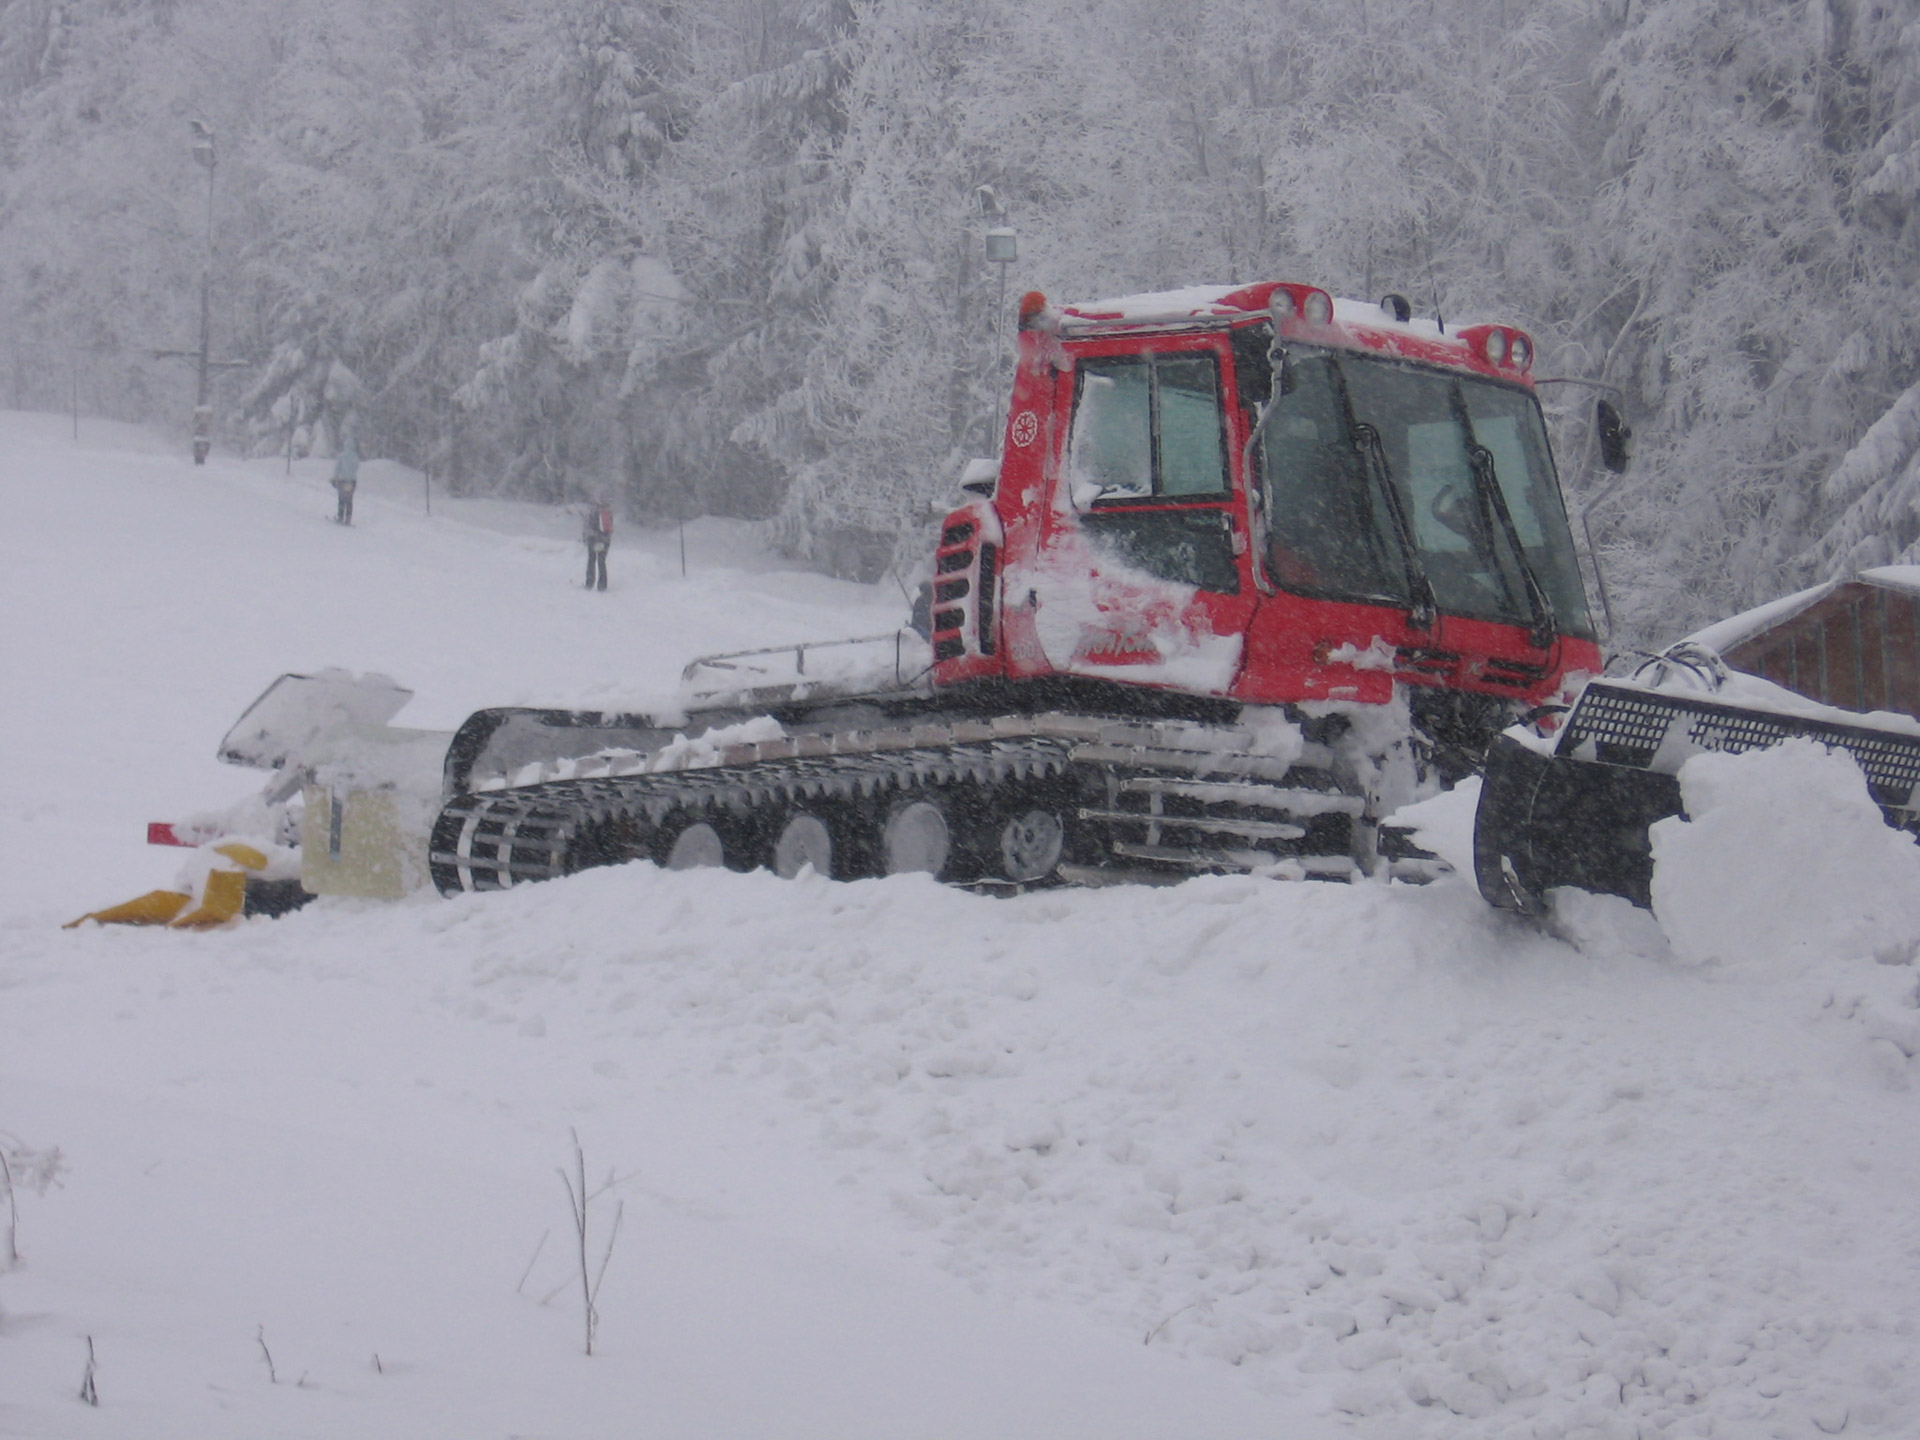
point(222, 897)
point(242, 854)
point(156, 907)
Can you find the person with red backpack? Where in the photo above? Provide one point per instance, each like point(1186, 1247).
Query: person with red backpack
point(597, 531)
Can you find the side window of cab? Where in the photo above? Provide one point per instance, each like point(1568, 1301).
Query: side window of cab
point(1147, 466)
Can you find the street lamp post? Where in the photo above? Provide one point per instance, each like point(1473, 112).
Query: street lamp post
point(1002, 249)
point(1003, 245)
point(203, 152)
point(203, 362)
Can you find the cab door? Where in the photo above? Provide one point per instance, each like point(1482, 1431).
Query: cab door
point(1144, 575)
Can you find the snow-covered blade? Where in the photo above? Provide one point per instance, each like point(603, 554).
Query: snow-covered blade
point(1579, 816)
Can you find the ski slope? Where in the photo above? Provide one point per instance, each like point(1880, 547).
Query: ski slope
point(1233, 1159)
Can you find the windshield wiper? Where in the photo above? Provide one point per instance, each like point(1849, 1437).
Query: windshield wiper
point(1493, 507)
point(1423, 606)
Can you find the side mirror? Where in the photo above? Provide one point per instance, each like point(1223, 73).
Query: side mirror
point(1283, 381)
point(1613, 434)
point(1280, 308)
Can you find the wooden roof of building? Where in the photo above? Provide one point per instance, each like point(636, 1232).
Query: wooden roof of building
point(1853, 643)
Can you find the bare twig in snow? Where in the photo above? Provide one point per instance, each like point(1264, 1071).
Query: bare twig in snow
point(88, 1391)
point(613, 1234)
point(261, 1336)
point(613, 1182)
point(1169, 1320)
point(37, 1170)
point(536, 1255)
point(578, 1200)
point(577, 1203)
point(13, 1214)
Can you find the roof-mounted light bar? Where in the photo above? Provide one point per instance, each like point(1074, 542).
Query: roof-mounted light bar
point(1288, 304)
point(1500, 346)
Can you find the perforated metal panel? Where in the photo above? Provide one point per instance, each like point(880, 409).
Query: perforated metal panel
point(1617, 725)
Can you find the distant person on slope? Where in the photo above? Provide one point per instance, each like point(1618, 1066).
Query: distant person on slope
point(346, 474)
point(597, 532)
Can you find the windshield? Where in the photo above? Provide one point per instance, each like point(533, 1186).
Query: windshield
point(1351, 426)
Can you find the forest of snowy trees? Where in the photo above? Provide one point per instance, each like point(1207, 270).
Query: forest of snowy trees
point(725, 256)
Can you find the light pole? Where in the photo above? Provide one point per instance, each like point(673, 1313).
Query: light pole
point(1003, 246)
point(203, 152)
point(1002, 249)
point(203, 361)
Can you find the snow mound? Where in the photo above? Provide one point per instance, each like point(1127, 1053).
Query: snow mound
point(1785, 860)
point(1443, 823)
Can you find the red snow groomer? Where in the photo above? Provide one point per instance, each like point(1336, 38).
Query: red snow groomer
point(1254, 565)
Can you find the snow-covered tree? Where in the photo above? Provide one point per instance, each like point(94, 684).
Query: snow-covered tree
point(351, 235)
point(725, 255)
point(1756, 217)
point(1875, 491)
point(650, 234)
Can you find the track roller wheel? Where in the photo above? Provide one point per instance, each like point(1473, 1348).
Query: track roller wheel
point(1032, 844)
point(697, 847)
point(916, 840)
point(804, 840)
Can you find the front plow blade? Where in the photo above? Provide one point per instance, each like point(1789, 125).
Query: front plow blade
point(1580, 815)
point(1546, 821)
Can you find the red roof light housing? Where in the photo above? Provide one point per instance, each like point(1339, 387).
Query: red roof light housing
point(1035, 313)
point(1298, 303)
point(1500, 347)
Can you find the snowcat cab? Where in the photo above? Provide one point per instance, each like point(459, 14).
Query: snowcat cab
point(1271, 497)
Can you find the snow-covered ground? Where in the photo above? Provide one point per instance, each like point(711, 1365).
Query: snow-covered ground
point(1234, 1159)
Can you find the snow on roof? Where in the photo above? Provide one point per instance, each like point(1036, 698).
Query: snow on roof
point(1189, 300)
point(1192, 301)
point(1367, 313)
point(1195, 302)
point(1725, 634)
point(1894, 577)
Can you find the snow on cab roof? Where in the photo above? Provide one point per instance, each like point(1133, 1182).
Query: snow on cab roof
point(1204, 302)
point(1191, 302)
